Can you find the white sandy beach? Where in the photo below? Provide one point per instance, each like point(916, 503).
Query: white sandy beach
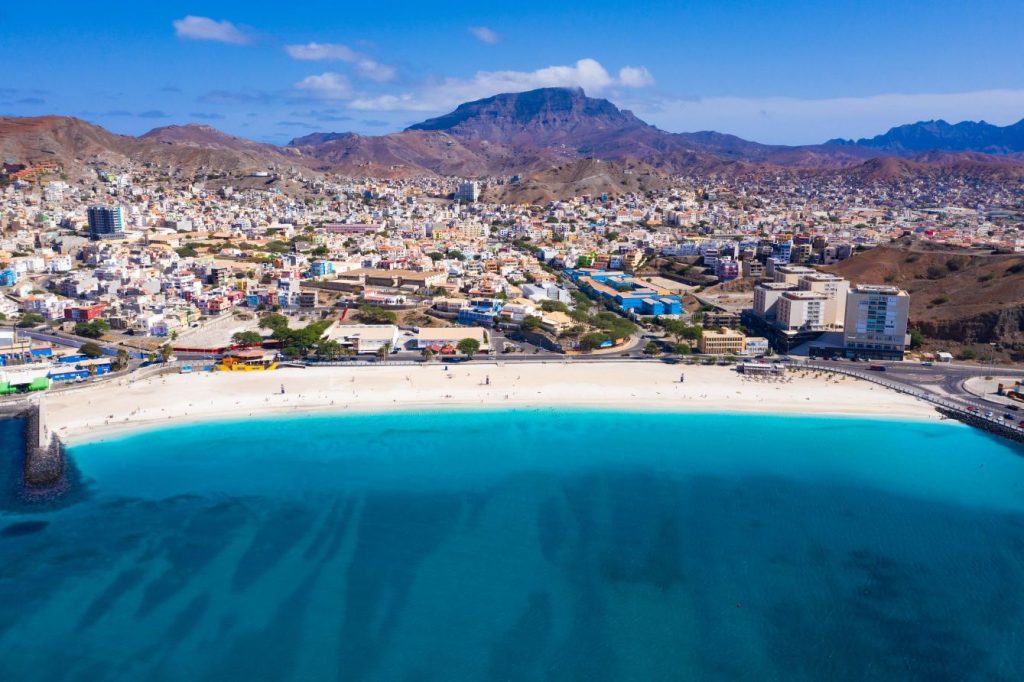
point(98, 411)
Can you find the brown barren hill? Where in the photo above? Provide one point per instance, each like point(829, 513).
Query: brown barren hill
point(591, 177)
point(76, 146)
point(963, 296)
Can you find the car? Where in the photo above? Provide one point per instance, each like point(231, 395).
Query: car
point(1007, 416)
point(972, 408)
point(989, 414)
point(1012, 408)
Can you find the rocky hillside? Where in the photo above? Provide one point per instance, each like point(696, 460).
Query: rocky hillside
point(963, 297)
point(577, 178)
point(78, 146)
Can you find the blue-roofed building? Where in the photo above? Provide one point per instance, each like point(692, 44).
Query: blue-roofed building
point(481, 311)
point(82, 369)
point(320, 268)
point(8, 278)
point(630, 294)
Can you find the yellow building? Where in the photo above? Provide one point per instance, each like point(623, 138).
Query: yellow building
point(725, 342)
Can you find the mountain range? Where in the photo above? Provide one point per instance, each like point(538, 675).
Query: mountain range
point(539, 133)
point(940, 135)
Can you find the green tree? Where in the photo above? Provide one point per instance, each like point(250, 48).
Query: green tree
point(383, 351)
point(468, 346)
point(90, 350)
point(652, 348)
point(274, 322)
point(916, 338)
point(593, 341)
point(531, 323)
point(554, 306)
point(92, 329)
point(122, 358)
point(166, 352)
point(681, 331)
point(330, 349)
point(298, 342)
point(30, 320)
point(248, 338)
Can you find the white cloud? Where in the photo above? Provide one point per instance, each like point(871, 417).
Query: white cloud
point(365, 66)
point(321, 52)
point(588, 74)
point(788, 120)
point(635, 77)
point(485, 35)
point(205, 28)
point(326, 86)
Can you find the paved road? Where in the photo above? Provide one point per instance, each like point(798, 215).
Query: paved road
point(943, 380)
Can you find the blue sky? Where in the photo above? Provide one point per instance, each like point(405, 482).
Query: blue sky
point(788, 72)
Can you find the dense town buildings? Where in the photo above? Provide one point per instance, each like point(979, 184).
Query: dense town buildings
point(156, 255)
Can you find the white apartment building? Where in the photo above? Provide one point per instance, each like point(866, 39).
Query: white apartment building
point(835, 289)
point(876, 320)
point(766, 299)
point(791, 274)
point(801, 311)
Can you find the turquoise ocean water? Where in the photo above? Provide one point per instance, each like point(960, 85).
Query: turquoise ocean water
point(528, 545)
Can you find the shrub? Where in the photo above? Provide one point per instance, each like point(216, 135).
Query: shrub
point(90, 350)
point(372, 314)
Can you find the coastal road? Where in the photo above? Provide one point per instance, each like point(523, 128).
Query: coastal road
point(943, 380)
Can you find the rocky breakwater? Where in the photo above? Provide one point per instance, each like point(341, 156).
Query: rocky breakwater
point(44, 453)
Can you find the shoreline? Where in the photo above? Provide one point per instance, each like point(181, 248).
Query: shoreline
point(132, 428)
point(118, 408)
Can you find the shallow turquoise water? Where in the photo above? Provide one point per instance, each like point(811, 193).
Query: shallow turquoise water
point(522, 546)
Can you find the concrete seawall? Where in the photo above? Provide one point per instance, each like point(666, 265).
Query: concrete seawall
point(984, 424)
point(44, 452)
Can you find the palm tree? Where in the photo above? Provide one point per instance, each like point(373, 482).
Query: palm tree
point(166, 352)
point(382, 352)
point(122, 358)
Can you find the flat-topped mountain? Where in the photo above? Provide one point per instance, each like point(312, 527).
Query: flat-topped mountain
point(537, 118)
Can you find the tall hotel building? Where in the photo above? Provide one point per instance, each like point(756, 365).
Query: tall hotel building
point(106, 222)
point(876, 321)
